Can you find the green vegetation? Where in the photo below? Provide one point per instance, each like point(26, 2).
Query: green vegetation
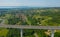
point(31, 16)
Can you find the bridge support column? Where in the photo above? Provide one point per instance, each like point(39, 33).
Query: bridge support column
point(21, 32)
point(52, 33)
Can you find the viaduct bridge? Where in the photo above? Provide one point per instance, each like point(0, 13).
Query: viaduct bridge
point(52, 28)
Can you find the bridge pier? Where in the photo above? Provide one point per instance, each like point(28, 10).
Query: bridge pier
point(21, 33)
point(52, 33)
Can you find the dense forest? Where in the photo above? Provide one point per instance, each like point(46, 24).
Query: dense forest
point(29, 16)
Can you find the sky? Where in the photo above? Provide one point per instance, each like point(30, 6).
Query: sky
point(32, 3)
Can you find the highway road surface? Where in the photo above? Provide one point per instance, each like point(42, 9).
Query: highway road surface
point(21, 27)
point(30, 27)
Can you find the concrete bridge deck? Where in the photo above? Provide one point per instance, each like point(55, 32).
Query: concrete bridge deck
point(21, 27)
point(30, 27)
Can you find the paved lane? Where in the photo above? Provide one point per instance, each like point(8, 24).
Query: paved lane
point(30, 27)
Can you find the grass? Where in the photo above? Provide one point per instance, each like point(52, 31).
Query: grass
point(4, 32)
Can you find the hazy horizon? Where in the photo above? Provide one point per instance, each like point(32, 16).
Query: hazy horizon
point(30, 3)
